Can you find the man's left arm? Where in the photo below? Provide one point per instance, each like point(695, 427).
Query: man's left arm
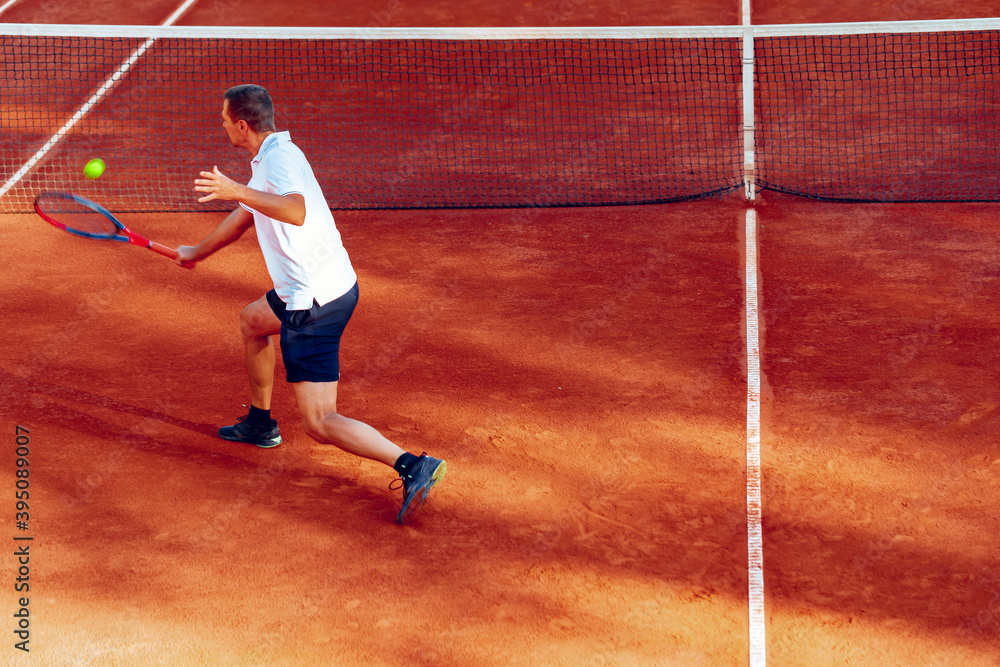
point(283, 208)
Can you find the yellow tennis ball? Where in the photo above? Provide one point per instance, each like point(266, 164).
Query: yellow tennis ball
point(94, 168)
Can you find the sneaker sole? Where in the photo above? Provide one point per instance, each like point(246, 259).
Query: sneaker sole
point(420, 497)
point(263, 444)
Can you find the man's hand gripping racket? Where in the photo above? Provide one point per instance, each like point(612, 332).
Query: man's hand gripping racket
point(80, 216)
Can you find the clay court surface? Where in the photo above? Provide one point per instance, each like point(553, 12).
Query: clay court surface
point(583, 371)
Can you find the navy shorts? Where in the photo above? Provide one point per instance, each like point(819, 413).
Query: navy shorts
point(310, 339)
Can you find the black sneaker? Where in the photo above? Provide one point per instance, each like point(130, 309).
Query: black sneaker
point(418, 482)
point(243, 431)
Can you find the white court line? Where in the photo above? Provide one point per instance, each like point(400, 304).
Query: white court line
point(89, 104)
point(7, 5)
point(178, 12)
point(755, 545)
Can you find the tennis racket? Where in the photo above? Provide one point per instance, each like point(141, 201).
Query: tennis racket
point(80, 216)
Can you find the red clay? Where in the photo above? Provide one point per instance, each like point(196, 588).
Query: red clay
point(593, 511)
point(795, 11)
point(582, 371)
point(92, 12)
point(880, 445)
point(474, 13)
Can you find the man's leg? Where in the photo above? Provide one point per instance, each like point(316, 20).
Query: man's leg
point(257, 324)
point(318, 408)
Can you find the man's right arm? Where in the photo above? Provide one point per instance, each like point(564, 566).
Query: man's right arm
point(230, 229)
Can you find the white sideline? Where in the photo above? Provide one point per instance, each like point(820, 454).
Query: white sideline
point(89, 104)
point(755, 545)
point(6, 5)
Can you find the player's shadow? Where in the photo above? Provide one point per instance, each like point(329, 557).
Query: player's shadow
point(15, 385)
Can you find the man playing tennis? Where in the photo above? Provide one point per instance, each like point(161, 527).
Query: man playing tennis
point(315, 292)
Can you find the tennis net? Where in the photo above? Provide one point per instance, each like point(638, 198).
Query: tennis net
point(431, 118)
point(884, 112)
point(415, 120)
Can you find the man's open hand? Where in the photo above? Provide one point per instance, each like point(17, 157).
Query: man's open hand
point(217, 185)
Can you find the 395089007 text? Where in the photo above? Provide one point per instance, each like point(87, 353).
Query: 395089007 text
point(22, 550)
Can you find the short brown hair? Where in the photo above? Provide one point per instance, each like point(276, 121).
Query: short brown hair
point(251, 103)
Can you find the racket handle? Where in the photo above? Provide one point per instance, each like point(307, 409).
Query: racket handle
point(168, 252)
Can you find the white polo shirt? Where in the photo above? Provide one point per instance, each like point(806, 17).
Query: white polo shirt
point(305, 262)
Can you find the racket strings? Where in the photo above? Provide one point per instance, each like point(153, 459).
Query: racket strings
point(77, 217)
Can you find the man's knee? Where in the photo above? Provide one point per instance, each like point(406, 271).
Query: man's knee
point(313, 426)
point(322, 428)
point(254, 323)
